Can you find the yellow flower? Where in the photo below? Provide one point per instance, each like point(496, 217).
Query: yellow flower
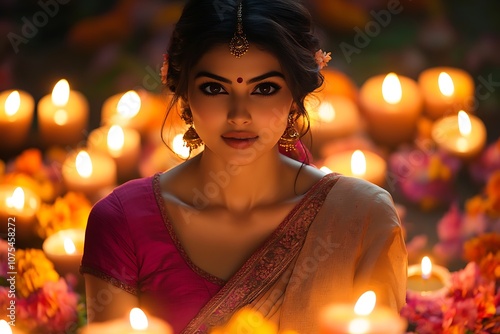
point(33, 270)
point(247, 321)
point(70, 211)
point(438, 170)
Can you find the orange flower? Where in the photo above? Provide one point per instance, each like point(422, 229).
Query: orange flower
point(29, 161)
point(475, 205)
point(493, 185)
point(478, 248)
point(493, 206)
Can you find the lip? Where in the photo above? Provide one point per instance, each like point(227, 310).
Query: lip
point(240, 140)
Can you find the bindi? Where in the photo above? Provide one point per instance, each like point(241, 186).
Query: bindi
point(239, 80)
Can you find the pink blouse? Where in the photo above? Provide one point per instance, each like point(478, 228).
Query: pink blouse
point(130, 243)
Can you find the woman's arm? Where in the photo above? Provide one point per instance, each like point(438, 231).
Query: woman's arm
point(106, 301)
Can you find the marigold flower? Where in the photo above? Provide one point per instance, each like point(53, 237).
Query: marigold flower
point(33, 271)
point(29, 161)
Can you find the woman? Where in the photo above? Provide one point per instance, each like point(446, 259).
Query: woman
point(242, 224)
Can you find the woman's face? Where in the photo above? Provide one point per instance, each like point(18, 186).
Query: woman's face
point(240, 106)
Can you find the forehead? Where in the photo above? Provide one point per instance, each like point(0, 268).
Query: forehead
point(220, 61)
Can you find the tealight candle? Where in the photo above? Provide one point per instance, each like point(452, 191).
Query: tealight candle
point(461, 135)
point(132, 109)
point(122, 144)
point(445, 90)
point(363, 318)
point(361, 164)
point(138, 322)
point(91, 173)
point(16, 116)
point(65, 249)
point(5, 328)
point(333, 117)
point(428, 280)
point(392, 105)
point(63, 116)
point(18, 207)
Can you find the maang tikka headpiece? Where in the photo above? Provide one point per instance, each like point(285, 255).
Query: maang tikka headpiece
point(239, 43)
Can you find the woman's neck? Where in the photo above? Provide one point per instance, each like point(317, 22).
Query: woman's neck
point(242, 188)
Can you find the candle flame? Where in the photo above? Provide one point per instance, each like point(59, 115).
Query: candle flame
point(12, 103)
point(69, 246)
point(391, 89)
point(5, 327)
point(116, 139)
point(326, 112)
point(61, 117)
point(446, 85)
point(83, 164)
point(464, 124)
point(138, 319)
point(60, 93)
point(129, 104)
point(16, 201)
point(358, 163)
point(426, 266)
point(179, 147)
point(366, 303)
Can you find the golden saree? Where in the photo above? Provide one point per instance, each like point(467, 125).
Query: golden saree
point(342, 239)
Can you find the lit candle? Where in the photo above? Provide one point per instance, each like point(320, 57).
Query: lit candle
point(65, 249)
point(363, 318)
point(137, 322)
point(16, 115)
point(122, 144)
point(162, 158)
point(428, 280)
point(445, 90)
point(391, 104)
point(333, 117)
point(18, 207)
point(5, 328)
point(91, 173)
point(132, 109)
point(361, 164)
point(461, 135)
point(63, 116)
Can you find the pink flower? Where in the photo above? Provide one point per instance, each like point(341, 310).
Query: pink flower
point(50, 309)
point(322, 58)
point(450, 225)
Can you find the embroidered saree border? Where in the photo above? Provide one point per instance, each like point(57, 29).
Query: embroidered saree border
point(267, 264)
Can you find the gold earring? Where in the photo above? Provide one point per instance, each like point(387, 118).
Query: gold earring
point(191, 138)
point(290, 136)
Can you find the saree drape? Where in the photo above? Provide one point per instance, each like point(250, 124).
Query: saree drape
point(343, 239)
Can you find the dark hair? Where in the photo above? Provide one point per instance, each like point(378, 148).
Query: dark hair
point(282, 27)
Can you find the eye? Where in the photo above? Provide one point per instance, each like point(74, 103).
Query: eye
point(212, 88)
point(266, 88)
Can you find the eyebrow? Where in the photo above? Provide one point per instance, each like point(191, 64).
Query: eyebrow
point(256, 79)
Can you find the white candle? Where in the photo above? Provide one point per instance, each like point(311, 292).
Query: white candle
point(363, 318)
point(18, 207)
point(333, 117)
point(461, 135)
point(92, 173)
point(65, 249)
point(133, 109)
point(122, 144)
point(445, 90)
point(63, 116)
point(361, 164)
point(428, 280)
point(137, 323)
point(16, 116)
point(391, 104)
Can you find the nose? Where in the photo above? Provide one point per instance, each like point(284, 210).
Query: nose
point(238, 112)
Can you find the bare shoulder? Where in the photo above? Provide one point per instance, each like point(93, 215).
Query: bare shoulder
point(306, 175)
